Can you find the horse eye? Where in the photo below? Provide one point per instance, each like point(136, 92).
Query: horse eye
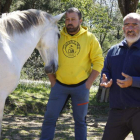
point(58, 35)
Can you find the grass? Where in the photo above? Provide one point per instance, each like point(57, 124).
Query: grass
point(29, 98)
point(24, 111)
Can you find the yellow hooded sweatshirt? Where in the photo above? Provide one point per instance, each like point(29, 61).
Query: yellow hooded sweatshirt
point(78, 55)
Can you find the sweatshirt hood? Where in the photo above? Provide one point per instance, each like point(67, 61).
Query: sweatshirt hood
point(82, 30)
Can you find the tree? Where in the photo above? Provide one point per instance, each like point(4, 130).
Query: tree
point(127, 6)
point(104, 25)
point(99, 16)
point(5, 6)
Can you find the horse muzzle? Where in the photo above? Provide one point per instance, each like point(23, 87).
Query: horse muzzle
point(51, 69)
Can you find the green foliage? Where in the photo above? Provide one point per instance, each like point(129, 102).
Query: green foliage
point(102, 19)
point(34, 68)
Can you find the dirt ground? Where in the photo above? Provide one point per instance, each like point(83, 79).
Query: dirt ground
point(29, 128)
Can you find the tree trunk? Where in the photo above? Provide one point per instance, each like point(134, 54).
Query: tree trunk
point(5, 8)
point(127, 6)
point(0, 7)
point(102, 39)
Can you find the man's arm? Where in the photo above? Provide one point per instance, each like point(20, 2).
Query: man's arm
point(52, 79)
point(91, 78)
point(135, 82)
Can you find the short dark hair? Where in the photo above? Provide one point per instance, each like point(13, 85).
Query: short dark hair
point(73, 9)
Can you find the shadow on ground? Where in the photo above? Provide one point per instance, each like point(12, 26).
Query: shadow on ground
point(29, 127)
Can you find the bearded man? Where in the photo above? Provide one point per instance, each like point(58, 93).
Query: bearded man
point(121, 73)
point(80, 62)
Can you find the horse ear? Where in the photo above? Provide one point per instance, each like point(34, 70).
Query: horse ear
point(58, 17)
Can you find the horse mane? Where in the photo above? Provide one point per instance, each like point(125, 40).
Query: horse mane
point(21, 21)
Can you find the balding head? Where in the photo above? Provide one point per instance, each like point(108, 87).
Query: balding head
point(132, 15)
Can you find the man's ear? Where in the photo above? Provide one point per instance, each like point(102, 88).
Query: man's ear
point(81, 21)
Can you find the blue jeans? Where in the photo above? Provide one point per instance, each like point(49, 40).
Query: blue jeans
point(58, 96)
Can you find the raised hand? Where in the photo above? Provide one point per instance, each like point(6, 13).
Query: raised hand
point(126, 82)
point(105, 81)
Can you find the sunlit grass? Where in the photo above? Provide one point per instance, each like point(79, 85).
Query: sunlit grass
point(26, 98)
point(28, 103)
point(31, 98)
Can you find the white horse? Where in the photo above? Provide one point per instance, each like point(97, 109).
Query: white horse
point(20, 33)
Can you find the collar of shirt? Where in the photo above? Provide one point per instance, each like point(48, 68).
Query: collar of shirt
point(124, 44)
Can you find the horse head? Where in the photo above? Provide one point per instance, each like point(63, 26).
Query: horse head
point(48, 45)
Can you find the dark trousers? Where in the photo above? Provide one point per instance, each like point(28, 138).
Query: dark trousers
point(121, 122)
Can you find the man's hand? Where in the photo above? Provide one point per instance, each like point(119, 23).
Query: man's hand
point(88, 84)
point(105, 82)
point(52, 79)
point(53, 83)
point(126, 82)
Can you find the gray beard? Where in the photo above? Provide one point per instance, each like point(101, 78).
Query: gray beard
point(132, 40)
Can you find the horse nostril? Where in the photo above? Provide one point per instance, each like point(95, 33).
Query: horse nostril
point(51, 69)
point(55, 68)
point(48, 70)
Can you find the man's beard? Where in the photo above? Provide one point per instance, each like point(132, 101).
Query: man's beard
point(132, 39)
point(71, 29)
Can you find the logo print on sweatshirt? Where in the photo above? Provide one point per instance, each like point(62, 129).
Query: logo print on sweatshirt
point(71, 48)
